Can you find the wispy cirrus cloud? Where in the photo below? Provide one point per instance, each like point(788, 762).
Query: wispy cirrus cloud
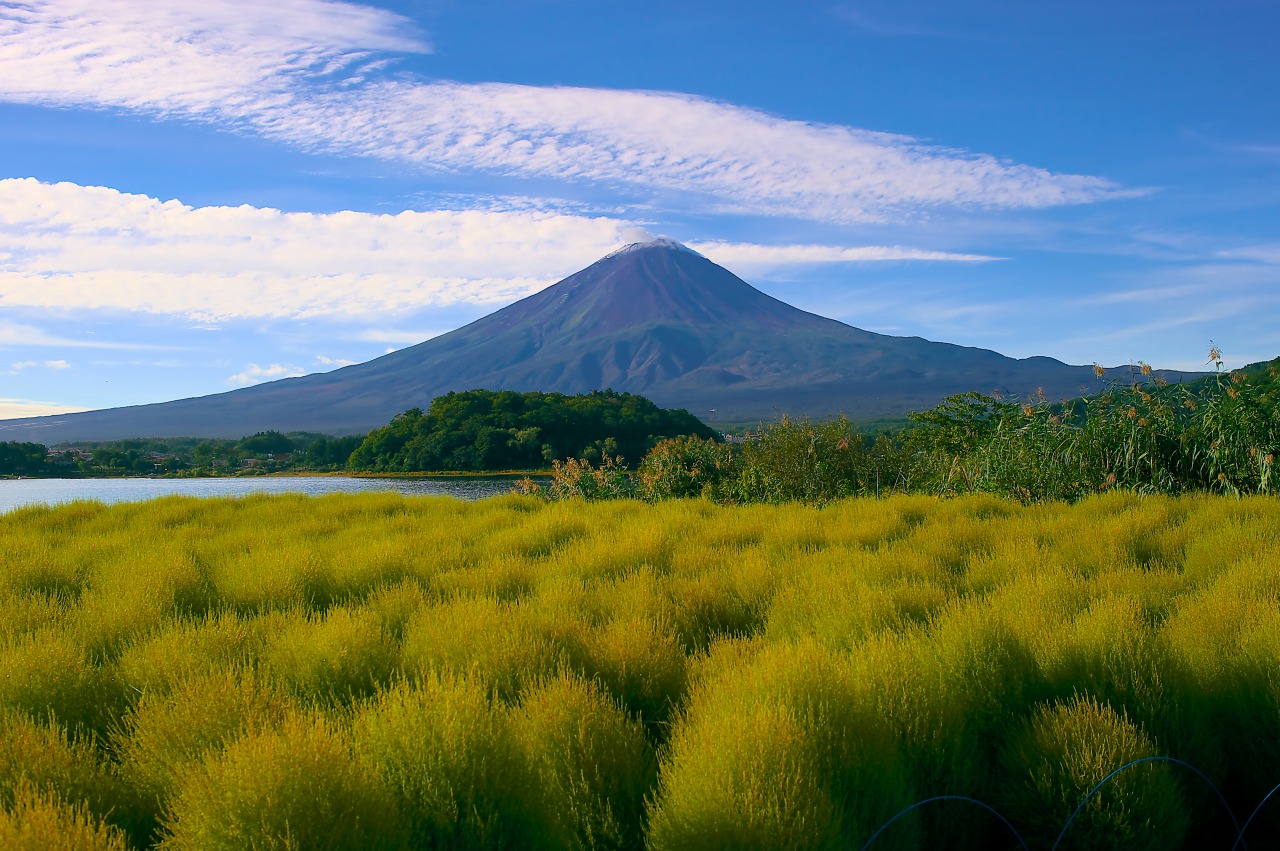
point(312, 73)
point(886, 20)
point(746, 258)
point(1264, 253)
point(219, 59)
point(77, 247)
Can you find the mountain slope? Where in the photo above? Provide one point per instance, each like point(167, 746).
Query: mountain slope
point(653, 318)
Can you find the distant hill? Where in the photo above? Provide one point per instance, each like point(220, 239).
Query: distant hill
point(655, 319)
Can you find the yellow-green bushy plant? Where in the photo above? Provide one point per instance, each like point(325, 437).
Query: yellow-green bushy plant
point(495, 642)
point(949, 688)
point(1224, 641)
point(780, 747)
point(38, 819)
point(589, 762)
point(171, 730)
point(1056, 759)
point(443, 748)
point(640, 662)
point(41, 757)
point(338, 655)
point(180, 649)
point(297, 785)
point(47, 673)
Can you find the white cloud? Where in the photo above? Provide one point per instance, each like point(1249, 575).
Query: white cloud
point(76, 247)
point(1266, 253)
point(173, 57)
point(28, 364)
point(310, 73)
point(90, 247)
point(335, 362)
point(14, 408)
point(254, 374)
point(747, 257)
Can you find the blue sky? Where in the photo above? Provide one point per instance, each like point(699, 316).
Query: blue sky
point(200, 196)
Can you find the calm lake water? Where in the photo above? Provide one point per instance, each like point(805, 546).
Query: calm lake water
point(19, 492)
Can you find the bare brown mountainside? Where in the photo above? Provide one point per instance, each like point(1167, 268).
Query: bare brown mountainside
point(654, 318)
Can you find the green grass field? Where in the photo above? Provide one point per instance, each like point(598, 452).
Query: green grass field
point(378, 672)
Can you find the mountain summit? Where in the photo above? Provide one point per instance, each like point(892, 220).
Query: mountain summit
point(654, 318)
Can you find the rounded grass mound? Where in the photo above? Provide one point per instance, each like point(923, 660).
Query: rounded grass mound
point(294, 787)
point(779, 748)
point(39, 820)
point(1053, 763)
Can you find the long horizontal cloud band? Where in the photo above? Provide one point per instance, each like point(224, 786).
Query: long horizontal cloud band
point(71, 247)
point(313, 74)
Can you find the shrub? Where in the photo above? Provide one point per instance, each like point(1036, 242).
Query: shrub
point(1221, 434)
point(442, 748)
point(779, 748)
point(494, 642)
point(46, 673)
point(685, 467)
point(342, 654)
point(297, 786)
point(41, 758)
point(170, 730)
point(590, 763)
point(38, 820)
point(574, 479)
point(799, 460)
point(1058, 756)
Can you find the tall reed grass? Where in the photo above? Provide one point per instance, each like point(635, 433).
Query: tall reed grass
point(1142, 434)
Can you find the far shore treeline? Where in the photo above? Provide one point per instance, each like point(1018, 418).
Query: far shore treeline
point(472, 431)
point(1218, 434)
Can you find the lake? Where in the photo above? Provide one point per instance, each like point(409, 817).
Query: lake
point(19, 492)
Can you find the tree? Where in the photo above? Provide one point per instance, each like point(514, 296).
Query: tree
point(505, 430)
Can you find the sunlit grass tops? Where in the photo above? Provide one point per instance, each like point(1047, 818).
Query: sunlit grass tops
point(374, 671)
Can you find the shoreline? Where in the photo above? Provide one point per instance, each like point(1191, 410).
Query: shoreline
point(303, 474)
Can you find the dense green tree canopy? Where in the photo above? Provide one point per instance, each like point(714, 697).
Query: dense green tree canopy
point(23, 459)
point(272, 442)
point(506, 430)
